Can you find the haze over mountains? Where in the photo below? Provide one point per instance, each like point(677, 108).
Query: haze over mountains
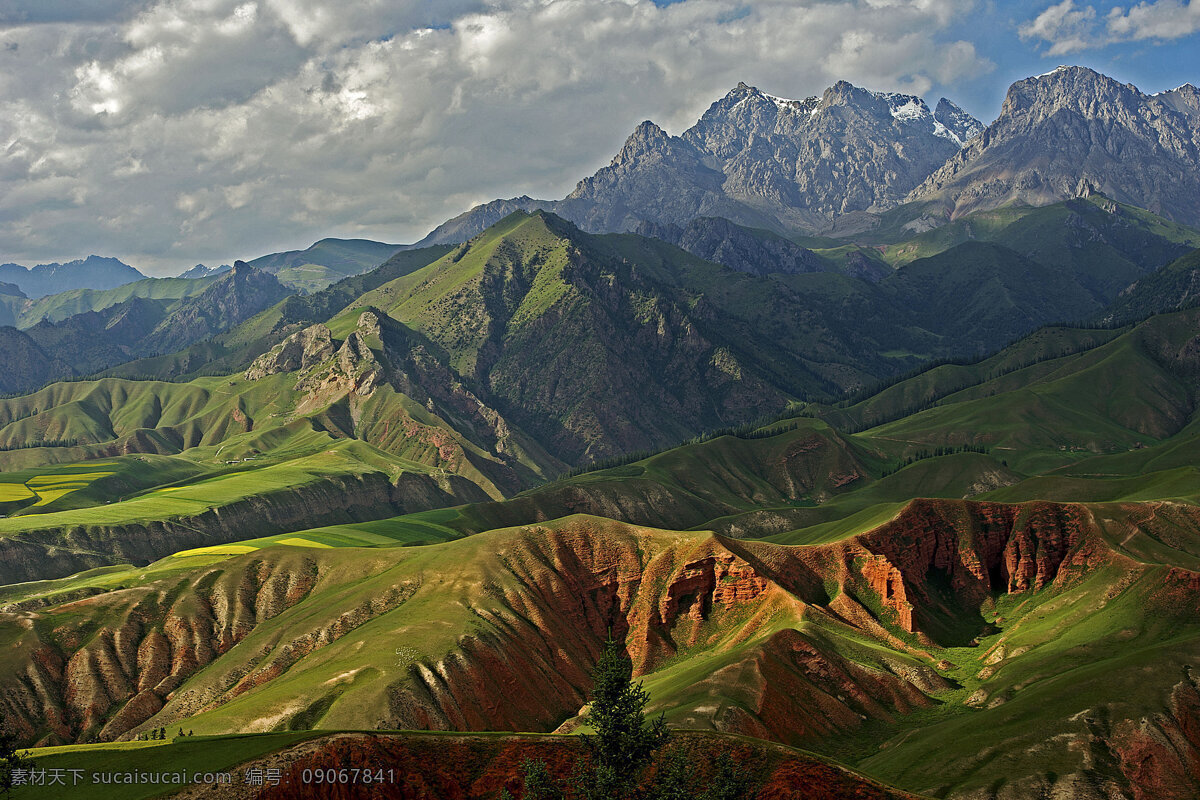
point(131, 321)
point(93, 272)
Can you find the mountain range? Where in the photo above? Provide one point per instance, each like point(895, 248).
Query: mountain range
point(868, 431)
point(760, 161)
point(93, 272)
point(781, 582)
point(1073, 130)
point(325, 262)
point(854, 160)
point(158, 315)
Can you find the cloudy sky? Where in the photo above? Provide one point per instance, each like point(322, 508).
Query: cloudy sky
point(173, 132)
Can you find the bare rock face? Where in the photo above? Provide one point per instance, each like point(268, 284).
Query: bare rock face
point(356, 360)
point(300, 351)
point(761, 161)
point(956, 121)
point(851, 150)
point(1074, 131)
point(235, 297)
point(655, 176)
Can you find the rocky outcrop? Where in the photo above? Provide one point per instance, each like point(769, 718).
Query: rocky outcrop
point(720, 580)
point(576, 581)
point(887, 581)
point(1159, 755)
point(99, 684)
point(804, 645)
point(1075, 131)
point(230, 300)
point(972, 550)
point(300, 351)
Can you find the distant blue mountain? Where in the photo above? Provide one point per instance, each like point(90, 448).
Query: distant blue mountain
point(93, 272)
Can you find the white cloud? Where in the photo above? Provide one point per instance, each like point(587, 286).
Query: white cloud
point(1163, 19)
point(1066, 27)
point(175, 131)
point(1069, 28)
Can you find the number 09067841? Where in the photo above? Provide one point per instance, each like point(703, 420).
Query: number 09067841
point(348, 775)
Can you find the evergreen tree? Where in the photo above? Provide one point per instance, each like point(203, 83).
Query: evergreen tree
point(538, 785)
point(623, 747)
point(624, 743)
point(10, 758)
point(730, 781)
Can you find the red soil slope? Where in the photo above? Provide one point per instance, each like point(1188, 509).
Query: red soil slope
point(469, 767)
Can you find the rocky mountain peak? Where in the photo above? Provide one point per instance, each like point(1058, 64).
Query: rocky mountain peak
point(962, 125)
point(846, 94)
point(647, 139)
point(842, 89)
point(1078, 88)
point(1074, 127)
point(1183, 99)
point(653, 170)
point(760, 160)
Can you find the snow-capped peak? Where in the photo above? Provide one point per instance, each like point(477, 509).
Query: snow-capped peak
point(1173, 91)
point(951, 122)
point(912, 109)
point(905, 107)
point(784, 103)
point(779, 101)
point(1059, 68)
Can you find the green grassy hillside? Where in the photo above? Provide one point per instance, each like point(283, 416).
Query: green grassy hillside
point(870, 648)
point(1105, 244)
point(998, 554)
point(234, 350)
point(57, 307)
point(326, 262)
point(1173, 287)
point(263, 437)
